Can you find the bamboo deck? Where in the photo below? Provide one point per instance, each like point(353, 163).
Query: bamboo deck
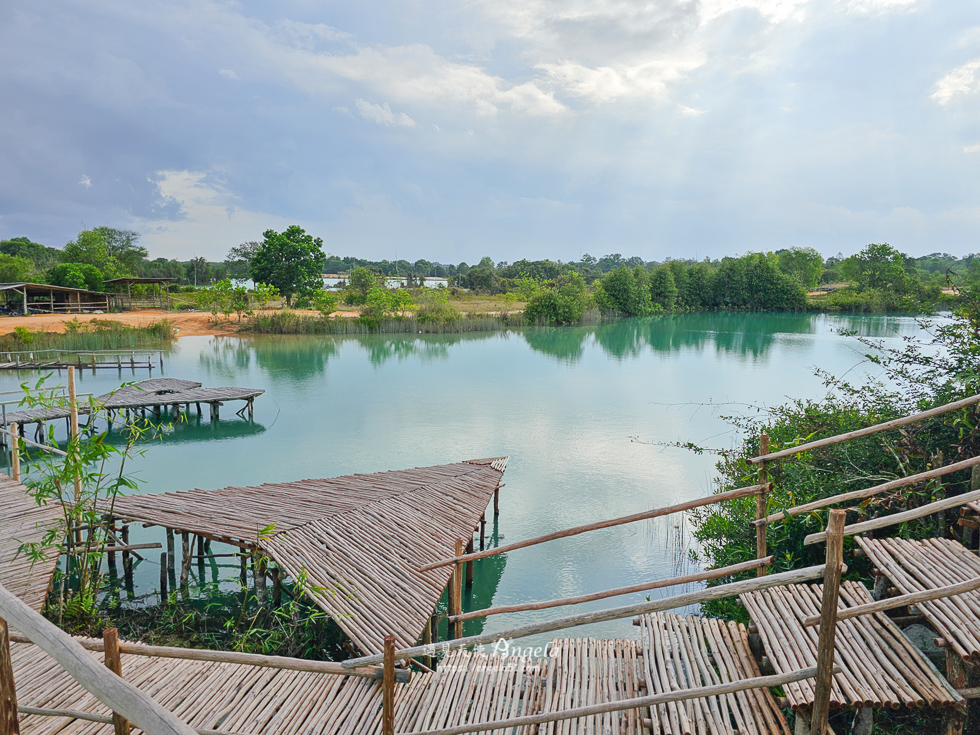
point(236, 698)
point(151, 393)
point(690, 652)
point(913, 566)
point(881, 668)
point(361, 538)
point(24, 521)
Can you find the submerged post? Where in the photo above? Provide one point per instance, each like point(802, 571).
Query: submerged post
point(15, 451)
point(114, 663)
point(824, 679)
point(469, 565)
point(388, 688)
point(9, 724)
point(163, 578)
point(762, 506)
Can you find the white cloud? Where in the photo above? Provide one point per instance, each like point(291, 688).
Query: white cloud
point(383, 115)
point(227, 73)
point(962, 80)
point(874, 7)
point(975, 148)
point(648, 78)
point(85, 181)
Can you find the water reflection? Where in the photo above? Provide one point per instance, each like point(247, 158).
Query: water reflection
point(565, 343)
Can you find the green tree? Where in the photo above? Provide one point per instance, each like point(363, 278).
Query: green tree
point(878, 266)
point(626, 290)
point(42, 256)
point(292, 261)
point(361, 281)
point(562, 301)
point(14, 268)
point(90, 248)
point(121, 245)
point(75, 275)
point(663, 288)
point(803, 264)
point(239, 259)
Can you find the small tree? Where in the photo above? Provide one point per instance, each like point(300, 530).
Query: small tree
point(262, 294)
point(292, 261)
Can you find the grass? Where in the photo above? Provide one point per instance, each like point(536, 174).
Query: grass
point(287, 322)
point(98, 334)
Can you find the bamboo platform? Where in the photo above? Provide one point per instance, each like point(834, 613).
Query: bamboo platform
point(24, 521)
point(881, 668)
point(154, 393)
point(690, 652)
point(913, 566)
point(238, 698)
point(359, 539)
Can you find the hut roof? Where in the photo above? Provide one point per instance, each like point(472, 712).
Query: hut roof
point(357, 540)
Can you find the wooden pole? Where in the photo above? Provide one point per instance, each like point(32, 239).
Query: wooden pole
point(127, 560)
point(469, 565)
point(740, 492)
point(171, 558)
point(457, 591)
point(427, 641)
point(185, 559)
point(15, 451)
point(9, 724)
point(719, 592)
point(828, 623)
point(939, 410)
point(163, 578)
point(762, 505)
point(388, 688)
point(113, 662)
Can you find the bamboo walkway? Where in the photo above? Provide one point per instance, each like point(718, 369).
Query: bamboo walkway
point(881, 668)
point(913, 566)
point(243, 699)
point(24, 521)
point(359, 539)
point(153, 393)
point(690, 652)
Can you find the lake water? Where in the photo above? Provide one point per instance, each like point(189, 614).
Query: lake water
point(582, 413)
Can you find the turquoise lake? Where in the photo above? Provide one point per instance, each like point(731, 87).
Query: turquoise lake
point(583, 414)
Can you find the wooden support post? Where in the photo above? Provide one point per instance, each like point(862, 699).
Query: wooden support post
point(171, 558)
point(244, 574)
point(762, 506)
point(114, 663)
point(15, 451)
point(251, 409)
point(828, 623)
point(483, 530)
point(200, 558)
point(434, 630)
point(258, 576)
point(456, 593)
point(185, 559)
point(469, 565)
point(496, 501)
point(73, 427)
point(388, 688)
point(127, 560)
point(427, 641)
point(163, 578)
point(9, 724)
point(276, 587)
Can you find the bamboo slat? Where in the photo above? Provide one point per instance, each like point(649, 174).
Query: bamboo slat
point(878, 667)
point(24, 521)
point(918, 566)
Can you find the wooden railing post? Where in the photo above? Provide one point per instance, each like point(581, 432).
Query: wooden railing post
point(828, 623)
point(457, 592)
point(762, 506)
point(388, 688)
point(9, 724)
point(15, 451)
point(113, 662)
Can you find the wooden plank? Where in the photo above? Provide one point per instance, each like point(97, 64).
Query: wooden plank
point(9, 724)
point(121, 696)
point(828, 622)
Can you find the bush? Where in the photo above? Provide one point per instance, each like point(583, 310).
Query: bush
point(435, 309)
point(75, 275)
point(562, 301)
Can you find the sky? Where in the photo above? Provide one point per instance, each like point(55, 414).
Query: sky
point(510, 128)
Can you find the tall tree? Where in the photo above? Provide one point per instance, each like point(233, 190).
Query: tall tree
point(292, 261)
point(803, 264)
point(121, 245)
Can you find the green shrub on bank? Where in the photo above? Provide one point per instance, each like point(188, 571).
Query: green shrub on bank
point(286, 322)
point(97, 334)
point(562, 301)
point(919, 376)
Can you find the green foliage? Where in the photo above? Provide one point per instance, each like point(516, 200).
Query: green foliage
point(92, 248)
point(384, 303)
point(262, 294)
point(41, 256)
point(75, 275)
point(663, 288)
point(434, 308)
point(23, 335)
point(804, 265)
point(755, 283)
point(879, 266)
point(14, 268)
point(324, 301)
point(361, 281)
point(217, 298)
point(916, 377)
point(625, 290)
point(562, 301)
point(292, 261)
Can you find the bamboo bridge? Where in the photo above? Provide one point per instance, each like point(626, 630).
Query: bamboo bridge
point(830, 644)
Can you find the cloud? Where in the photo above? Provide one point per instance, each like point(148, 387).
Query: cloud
point(85, 181)
point(962, 80)
point(383, 115)
point(648, 78)
point(227, 73)
point(975, 148)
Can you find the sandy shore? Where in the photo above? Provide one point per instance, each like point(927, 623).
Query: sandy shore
point(190, 324)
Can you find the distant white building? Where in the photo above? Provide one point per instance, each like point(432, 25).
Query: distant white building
point(334, 281)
